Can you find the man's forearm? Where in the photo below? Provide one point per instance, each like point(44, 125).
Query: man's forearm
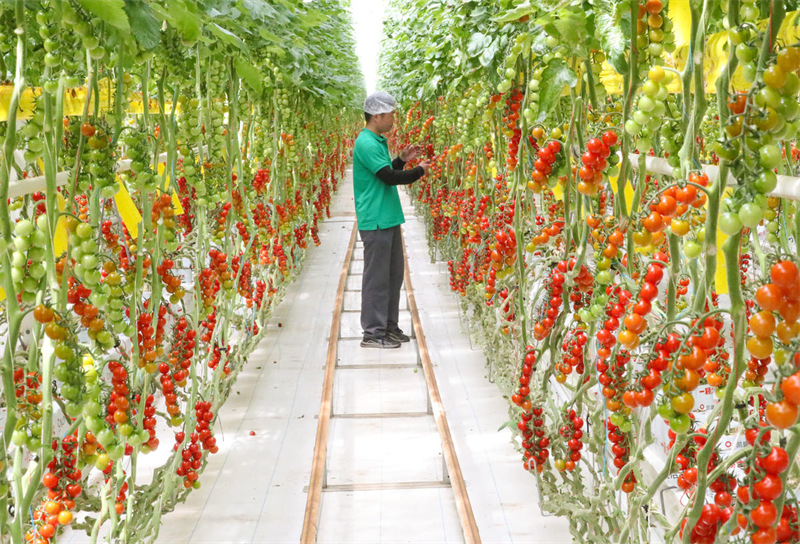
point(398, 164)
point(400, 177)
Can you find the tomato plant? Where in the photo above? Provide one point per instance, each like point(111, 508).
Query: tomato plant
point(643, 195)
point(164, 169)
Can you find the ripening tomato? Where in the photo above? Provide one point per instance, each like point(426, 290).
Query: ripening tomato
point(654, 222)
point(790, 387)
point(782, 414)
point(776, 462)
point(769, 297)
point(784, 274)
point(762, 324)
point(789, 310)
point(760, 348)
point(787, 331)
point(635, 323)
point(88, 130)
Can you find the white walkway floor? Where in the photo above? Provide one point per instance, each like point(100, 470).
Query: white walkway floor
point(253, 489)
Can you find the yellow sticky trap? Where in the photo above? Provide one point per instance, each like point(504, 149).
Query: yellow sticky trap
point(61, 236)
point(176, 204)
point(720, 277)
point(681, 17)
point(558, 192)
point(629, 191)
point(128, 211)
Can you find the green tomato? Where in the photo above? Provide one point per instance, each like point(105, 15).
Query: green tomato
point(603, 277)
point(37, 271)
point(680, 424)
point(650, 88)
point(92, 409)
point(641, 117)
point(665, 411)
point(61, 372)
point(749, 71)
point(750, 215)
point(34, 443)
point(768, 97)
point(770, 156)
point(792, 85)
point(691, 250)
point(23, 228)
point(74, 409)
point(105, 437)
point(726, 151)
point(632, 127)
point(729, 223)
point(102, 461)
point(105, 338)
point(746, 53)
point(647, 104)
point(18, 259)
point(766, 182)
point(94, 424)
point(19, 437)
point(89, 262)
point(22, 244)
point(125, 429)
point(84, 231)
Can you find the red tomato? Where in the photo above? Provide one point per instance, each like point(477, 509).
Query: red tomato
point(776, 462)
point(768, 488)
point(785, 274)
point(764, 515)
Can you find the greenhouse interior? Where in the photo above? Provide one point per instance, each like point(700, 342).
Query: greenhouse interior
point(389, 271)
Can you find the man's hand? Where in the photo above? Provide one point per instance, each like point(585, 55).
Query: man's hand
point(410, 153)
point(425, 166)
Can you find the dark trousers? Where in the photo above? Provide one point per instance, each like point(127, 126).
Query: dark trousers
point(382, 280)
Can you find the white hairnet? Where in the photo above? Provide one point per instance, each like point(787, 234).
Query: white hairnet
point(379, 102)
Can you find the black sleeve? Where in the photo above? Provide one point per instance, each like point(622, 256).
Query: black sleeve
point(398, 164)
point(400, 177)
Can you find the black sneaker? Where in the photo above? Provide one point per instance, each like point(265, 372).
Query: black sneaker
point(398, 336)
point(380, 343)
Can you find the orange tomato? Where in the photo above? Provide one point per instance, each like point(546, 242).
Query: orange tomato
point(760, 348)
point(689, 381)
point(782, 414)
point(762, 323)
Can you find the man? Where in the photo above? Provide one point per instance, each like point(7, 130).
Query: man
point(379, 215)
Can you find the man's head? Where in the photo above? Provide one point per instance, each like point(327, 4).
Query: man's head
point(379, 112)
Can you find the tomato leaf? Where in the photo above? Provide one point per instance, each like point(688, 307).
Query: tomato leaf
point(477, 43)
point(517, 13)
point(178, 14)
point(555, 77)
point(110, 11)
point(145, 27)
point(228, 37)
point(250, 75)
point(489, 53)
point(613, 41)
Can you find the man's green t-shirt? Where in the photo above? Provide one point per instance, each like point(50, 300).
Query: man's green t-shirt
point(377, 204)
